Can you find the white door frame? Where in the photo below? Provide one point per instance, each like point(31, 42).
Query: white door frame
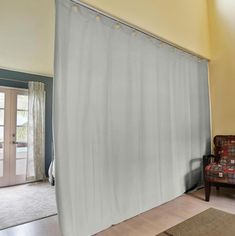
point(10, 123)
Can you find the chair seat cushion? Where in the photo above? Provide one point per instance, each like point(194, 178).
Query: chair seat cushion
point(215, 172)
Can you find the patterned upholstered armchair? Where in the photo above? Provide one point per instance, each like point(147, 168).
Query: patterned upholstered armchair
point(219, 169)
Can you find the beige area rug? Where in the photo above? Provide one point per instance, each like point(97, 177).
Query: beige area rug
point(211, 222)
point(24, 203)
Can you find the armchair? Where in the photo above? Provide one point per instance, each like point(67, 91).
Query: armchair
point(219, 169)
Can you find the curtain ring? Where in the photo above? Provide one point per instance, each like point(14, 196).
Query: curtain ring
point(117, 26)
point(75, 8)
point(134, 33)
point(97, 18)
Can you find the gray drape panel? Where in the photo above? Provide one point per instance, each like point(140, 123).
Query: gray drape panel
point(131, 119)
point(36, 132)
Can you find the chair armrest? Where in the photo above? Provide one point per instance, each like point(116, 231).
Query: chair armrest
point(207, 159)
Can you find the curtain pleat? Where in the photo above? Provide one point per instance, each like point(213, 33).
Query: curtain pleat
point(131, 121)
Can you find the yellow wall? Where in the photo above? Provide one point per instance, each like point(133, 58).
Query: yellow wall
point(183, 22)
point(222, 65)
point(27, 27)
point(27, 39)
point(27, 35)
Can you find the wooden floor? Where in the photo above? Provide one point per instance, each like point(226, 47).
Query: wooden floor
point(149, 223)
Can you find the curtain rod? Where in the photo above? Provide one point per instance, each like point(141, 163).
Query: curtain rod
point(101, 12)
point(15, 80)
point(19, 81)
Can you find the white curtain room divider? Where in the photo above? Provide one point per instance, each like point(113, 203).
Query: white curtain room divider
point(131, 121)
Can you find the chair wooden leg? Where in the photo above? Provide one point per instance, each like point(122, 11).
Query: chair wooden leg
point(207, 191)
point(217, 187)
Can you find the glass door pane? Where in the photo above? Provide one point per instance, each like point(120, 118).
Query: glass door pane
point(2, 121)
point(21, 134)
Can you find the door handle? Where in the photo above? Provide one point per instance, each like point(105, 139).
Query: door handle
point(14, 142)
point(22, 143)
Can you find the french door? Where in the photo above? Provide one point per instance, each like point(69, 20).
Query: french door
point(13, 135)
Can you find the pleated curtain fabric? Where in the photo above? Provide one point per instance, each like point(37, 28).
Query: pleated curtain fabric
point(36, 132)
point(131, 121)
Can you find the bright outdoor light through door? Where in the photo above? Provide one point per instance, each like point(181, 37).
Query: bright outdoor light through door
point(2, 109)
point(13, 136)
point(21, 135)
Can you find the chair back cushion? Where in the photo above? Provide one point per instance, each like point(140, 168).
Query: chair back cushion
point(225, 149)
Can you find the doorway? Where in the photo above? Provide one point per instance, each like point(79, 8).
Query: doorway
point(13, 135)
